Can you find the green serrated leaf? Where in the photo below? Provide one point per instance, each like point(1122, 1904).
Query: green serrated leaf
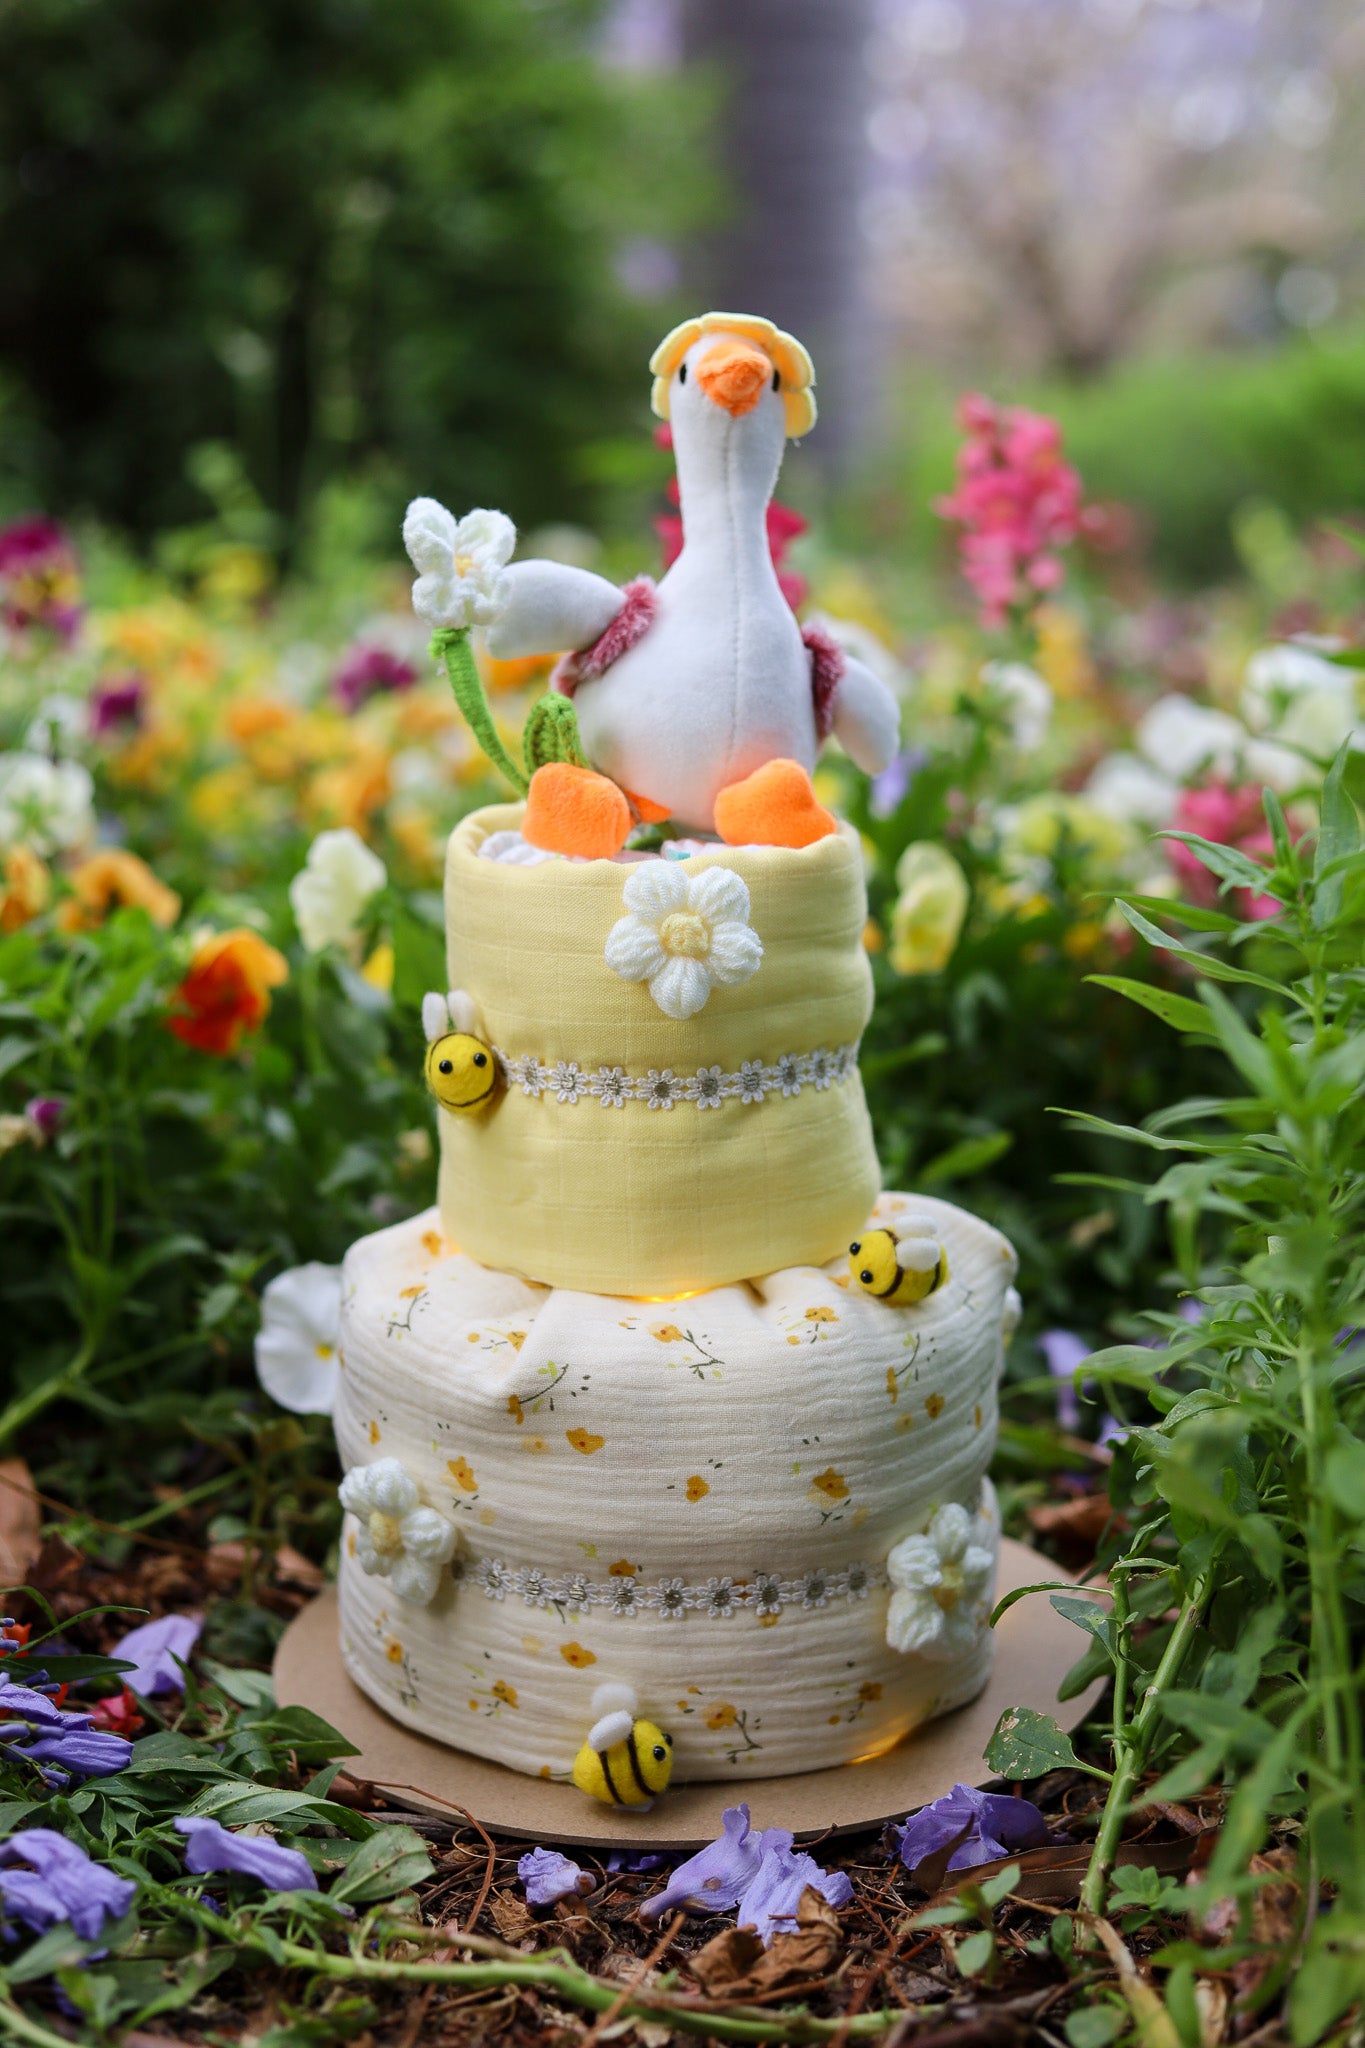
point(1027, 1744)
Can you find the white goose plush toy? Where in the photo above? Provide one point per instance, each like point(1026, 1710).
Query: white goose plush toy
point(700, 700)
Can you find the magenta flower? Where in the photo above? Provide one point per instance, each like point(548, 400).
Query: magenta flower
point(39, 577)
point(212, 1847)
point(991, 1824)
point(548, 1876)
point(120, 703)
point(57, 1881)
point(64, 1746)
point(771, 1901)
point(44, 1113)
point(1230, 816)
point(156, 1651)
point(369, 670)
point(1016, 501)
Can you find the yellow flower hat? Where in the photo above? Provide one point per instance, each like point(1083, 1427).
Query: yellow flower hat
point(784, 351)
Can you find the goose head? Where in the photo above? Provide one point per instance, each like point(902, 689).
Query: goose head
point(733, 388)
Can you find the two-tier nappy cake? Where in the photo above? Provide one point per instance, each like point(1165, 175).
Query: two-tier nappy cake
point(666, 1433)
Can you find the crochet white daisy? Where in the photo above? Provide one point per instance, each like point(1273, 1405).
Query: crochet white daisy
point(459, 563)
point(684, 934)
point(937, 1581)
point(396, 1537)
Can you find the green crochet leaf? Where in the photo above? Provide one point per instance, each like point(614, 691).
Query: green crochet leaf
point(551, 734)
point(450, 644)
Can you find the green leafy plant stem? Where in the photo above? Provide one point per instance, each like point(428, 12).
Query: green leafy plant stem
point(1132, 1742)
point(450, 644)
point(563, 1977)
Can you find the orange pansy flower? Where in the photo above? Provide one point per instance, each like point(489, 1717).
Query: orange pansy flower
point(226, 992)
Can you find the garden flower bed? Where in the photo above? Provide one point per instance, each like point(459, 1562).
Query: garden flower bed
point(222, 813)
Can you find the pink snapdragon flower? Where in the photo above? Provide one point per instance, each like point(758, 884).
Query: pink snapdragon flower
point(1230, 815)
point(39, 577)
point(1017, 503)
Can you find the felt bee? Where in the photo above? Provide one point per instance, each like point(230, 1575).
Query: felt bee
point(900, 1265)
point(626, 1761)
point(462, 1068)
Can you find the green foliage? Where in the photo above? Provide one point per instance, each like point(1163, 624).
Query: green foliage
point(133, 1246)
point(1238, 1589)
point(331, 234)
point(240, 1768)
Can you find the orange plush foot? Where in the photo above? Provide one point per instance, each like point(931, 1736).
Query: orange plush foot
point(775, 806)
point(575, 810)
point(646, 811)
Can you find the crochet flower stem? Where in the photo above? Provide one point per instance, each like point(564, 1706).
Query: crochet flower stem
point(450, 644)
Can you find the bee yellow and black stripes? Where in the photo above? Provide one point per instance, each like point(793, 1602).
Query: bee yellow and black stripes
point(462, 1072)
point(626, 1760)
point(896, 1269)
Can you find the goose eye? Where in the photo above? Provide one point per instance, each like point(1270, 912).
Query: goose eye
point(446, 1066)
point(682, 374)
point(481, 1059)
point(777, 380)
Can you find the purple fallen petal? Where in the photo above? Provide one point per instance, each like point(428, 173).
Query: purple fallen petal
point(996, 1823)
point(153, 1649)
point(770, 1903)
point(61, 1883)
point(621, 1859)
point(212, 1847)
point(548, 1876)
point(716, 1878)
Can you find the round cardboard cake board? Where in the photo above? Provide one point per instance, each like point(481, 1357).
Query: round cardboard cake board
point(1033, 1647)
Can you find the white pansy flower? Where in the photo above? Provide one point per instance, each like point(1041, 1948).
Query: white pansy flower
point(1305, 700)
point(1182, 737)
point(44, 804)
point(460, 563)
point(1025, 699)
point(937, 1580)
point(60, 723)
point(1127, 787)
point(396, 1537)
point(329, 894)
point(298, 1360)
point(684, 934)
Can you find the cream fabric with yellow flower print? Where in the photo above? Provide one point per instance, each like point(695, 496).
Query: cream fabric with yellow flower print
point(696, 1497)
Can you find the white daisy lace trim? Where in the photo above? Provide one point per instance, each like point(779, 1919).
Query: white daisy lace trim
point(612, 1087)
point(762, 1594)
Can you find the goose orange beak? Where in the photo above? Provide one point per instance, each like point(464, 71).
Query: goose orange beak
point(734, 375)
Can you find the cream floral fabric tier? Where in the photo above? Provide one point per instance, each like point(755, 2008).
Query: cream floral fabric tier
point(585, 1171)
point(729, 1500)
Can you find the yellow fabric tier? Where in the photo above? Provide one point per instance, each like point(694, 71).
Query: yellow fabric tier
point(558, 1186)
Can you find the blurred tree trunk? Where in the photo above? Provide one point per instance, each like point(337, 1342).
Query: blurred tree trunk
point(793, 133)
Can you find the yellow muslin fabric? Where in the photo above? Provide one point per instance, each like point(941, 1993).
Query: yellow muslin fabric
point(634, 1200)
point(598, 1457)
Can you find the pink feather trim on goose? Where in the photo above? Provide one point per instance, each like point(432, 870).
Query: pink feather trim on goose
point(826, 674)
point(636, 616)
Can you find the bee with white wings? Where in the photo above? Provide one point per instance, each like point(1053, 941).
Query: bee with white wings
point(900, 1265)
point(462, 1069)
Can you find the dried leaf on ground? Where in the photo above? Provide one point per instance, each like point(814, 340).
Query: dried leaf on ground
point(735, 1963)
point(20, 1523)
